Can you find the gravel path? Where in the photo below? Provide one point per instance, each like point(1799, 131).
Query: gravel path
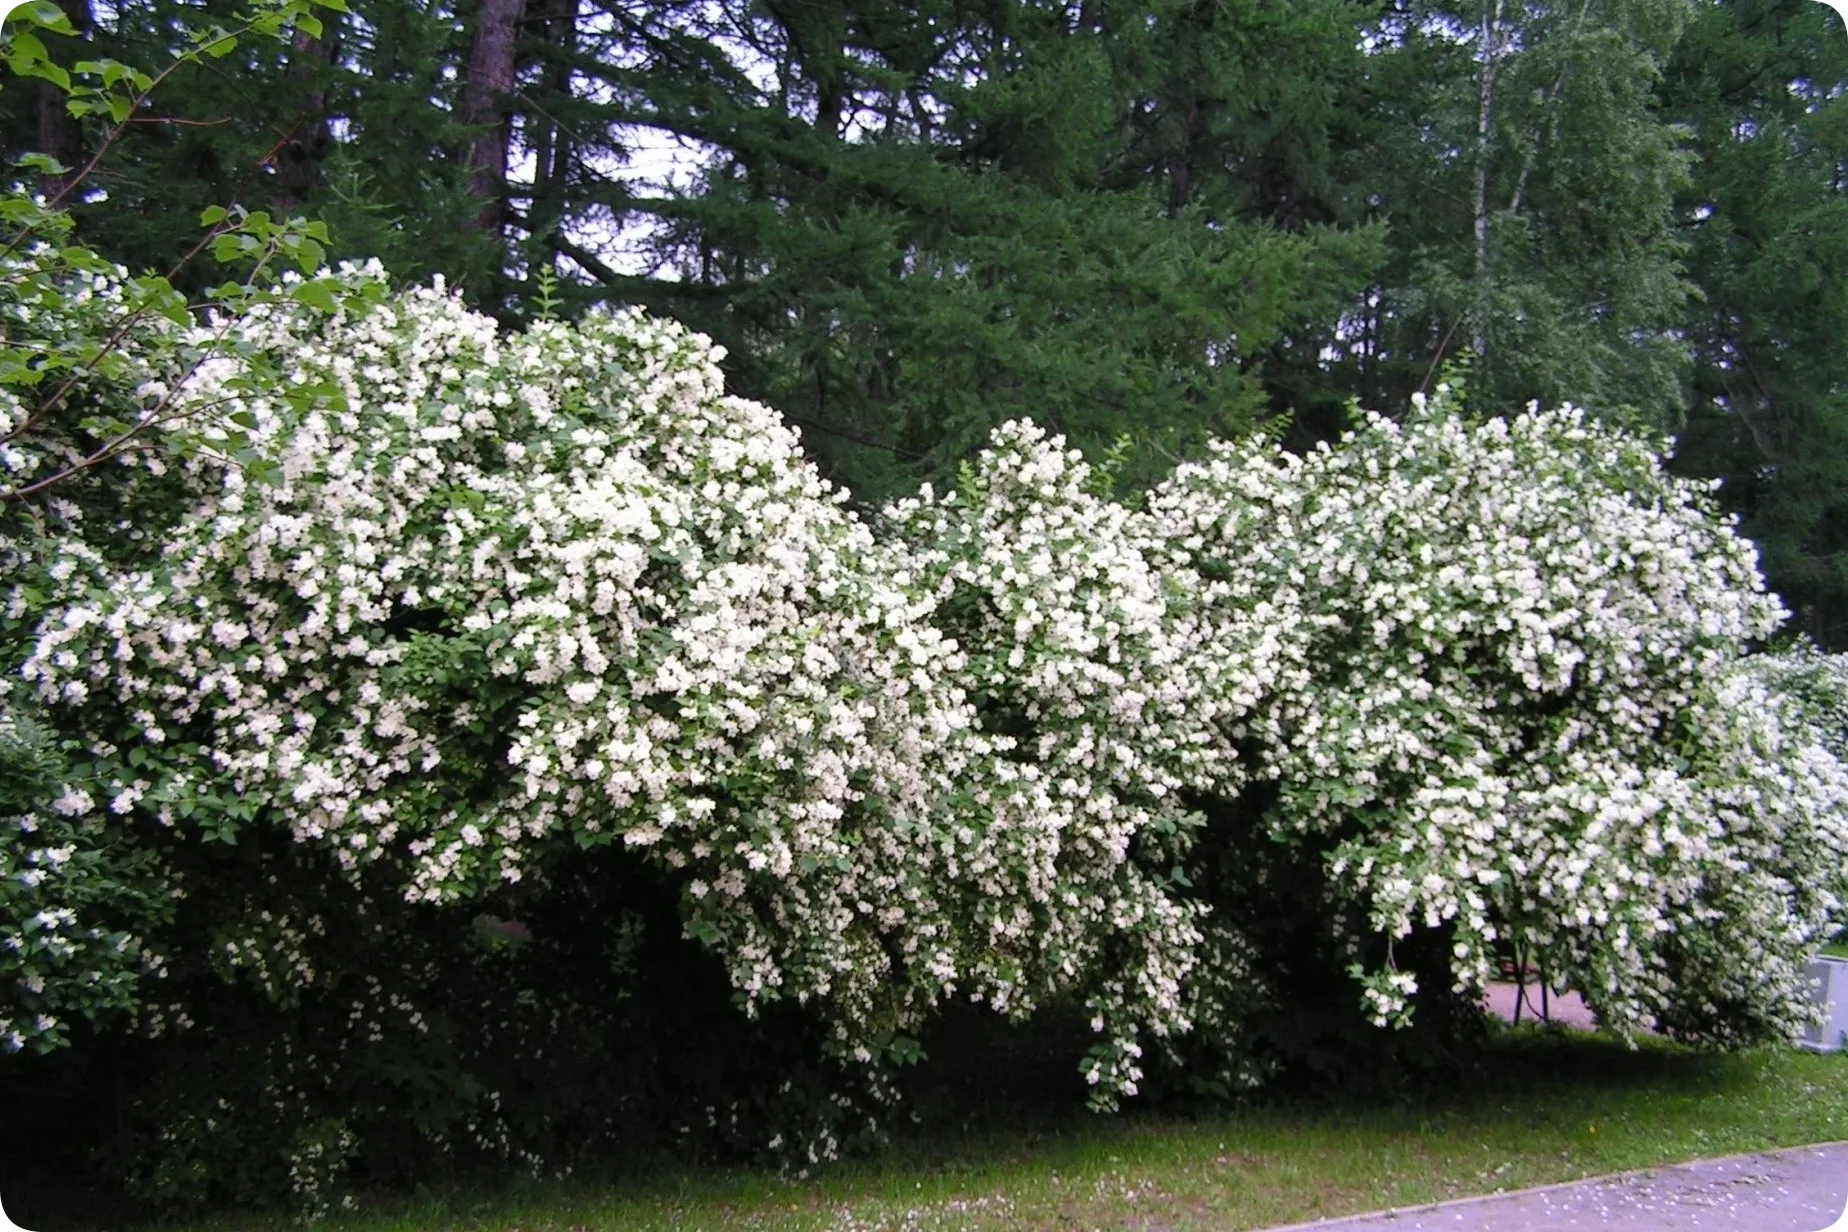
point(1804, 1189)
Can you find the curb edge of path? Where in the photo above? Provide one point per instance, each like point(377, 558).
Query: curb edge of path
point(1394, 1212)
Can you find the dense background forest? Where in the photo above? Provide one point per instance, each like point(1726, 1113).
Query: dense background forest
point(1139, 224)
point(441, 728)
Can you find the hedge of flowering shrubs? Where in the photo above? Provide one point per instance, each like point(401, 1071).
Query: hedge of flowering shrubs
point(407, 626)
point(1526, 720)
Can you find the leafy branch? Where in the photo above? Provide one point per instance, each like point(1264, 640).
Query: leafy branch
point(44, 271)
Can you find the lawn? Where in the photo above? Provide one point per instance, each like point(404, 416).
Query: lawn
point(1560, 1108)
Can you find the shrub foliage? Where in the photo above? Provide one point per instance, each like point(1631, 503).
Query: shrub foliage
point(442, 738)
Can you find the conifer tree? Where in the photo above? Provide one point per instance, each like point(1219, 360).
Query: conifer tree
point(1759, 87)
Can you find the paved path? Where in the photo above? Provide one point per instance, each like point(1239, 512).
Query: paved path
point(1803, 1189)
point(1566, 1009)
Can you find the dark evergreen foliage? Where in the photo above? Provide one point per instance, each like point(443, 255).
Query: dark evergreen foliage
point(1759, 88)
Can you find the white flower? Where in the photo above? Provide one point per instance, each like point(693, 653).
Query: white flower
point(74, 802)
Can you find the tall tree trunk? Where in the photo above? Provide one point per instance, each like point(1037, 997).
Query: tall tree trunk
point(552, 145)
point(484, 106)
point(1181, 162)
point(1485, 109)
point(59, 133)
point(297, 157)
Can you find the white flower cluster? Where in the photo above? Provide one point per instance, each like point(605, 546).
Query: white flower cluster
point(1815, 685)
point(58, 885)
point(453, 601)
point(52, 321)
point(452, 604)
point(1101, 694)
point(1521, 717)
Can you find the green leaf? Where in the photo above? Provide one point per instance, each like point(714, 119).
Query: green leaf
point(218, 49)
point(265, 471)
point(115, 73)
point(25, 47)
point(44, 164)
point(46, 16)
point(317, 295)
point(306, 254)
point(25, 55)
point(212, 215)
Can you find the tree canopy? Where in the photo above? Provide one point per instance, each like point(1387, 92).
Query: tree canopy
point(1141, 225)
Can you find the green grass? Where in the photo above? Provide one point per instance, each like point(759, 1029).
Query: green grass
point(1558, 1109)
point(1837, 949)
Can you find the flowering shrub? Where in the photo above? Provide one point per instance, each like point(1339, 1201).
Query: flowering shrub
point(1100, 693)
point(1523, 722)
point(1815, 684)
point(389, 618)
point(76, 896)
point(76, 893)
point(452, 606)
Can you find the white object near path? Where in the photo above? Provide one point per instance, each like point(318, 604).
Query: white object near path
point(1840, 6)
point(1828, 978)
point(1840, 1225)
point(7, 1225)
